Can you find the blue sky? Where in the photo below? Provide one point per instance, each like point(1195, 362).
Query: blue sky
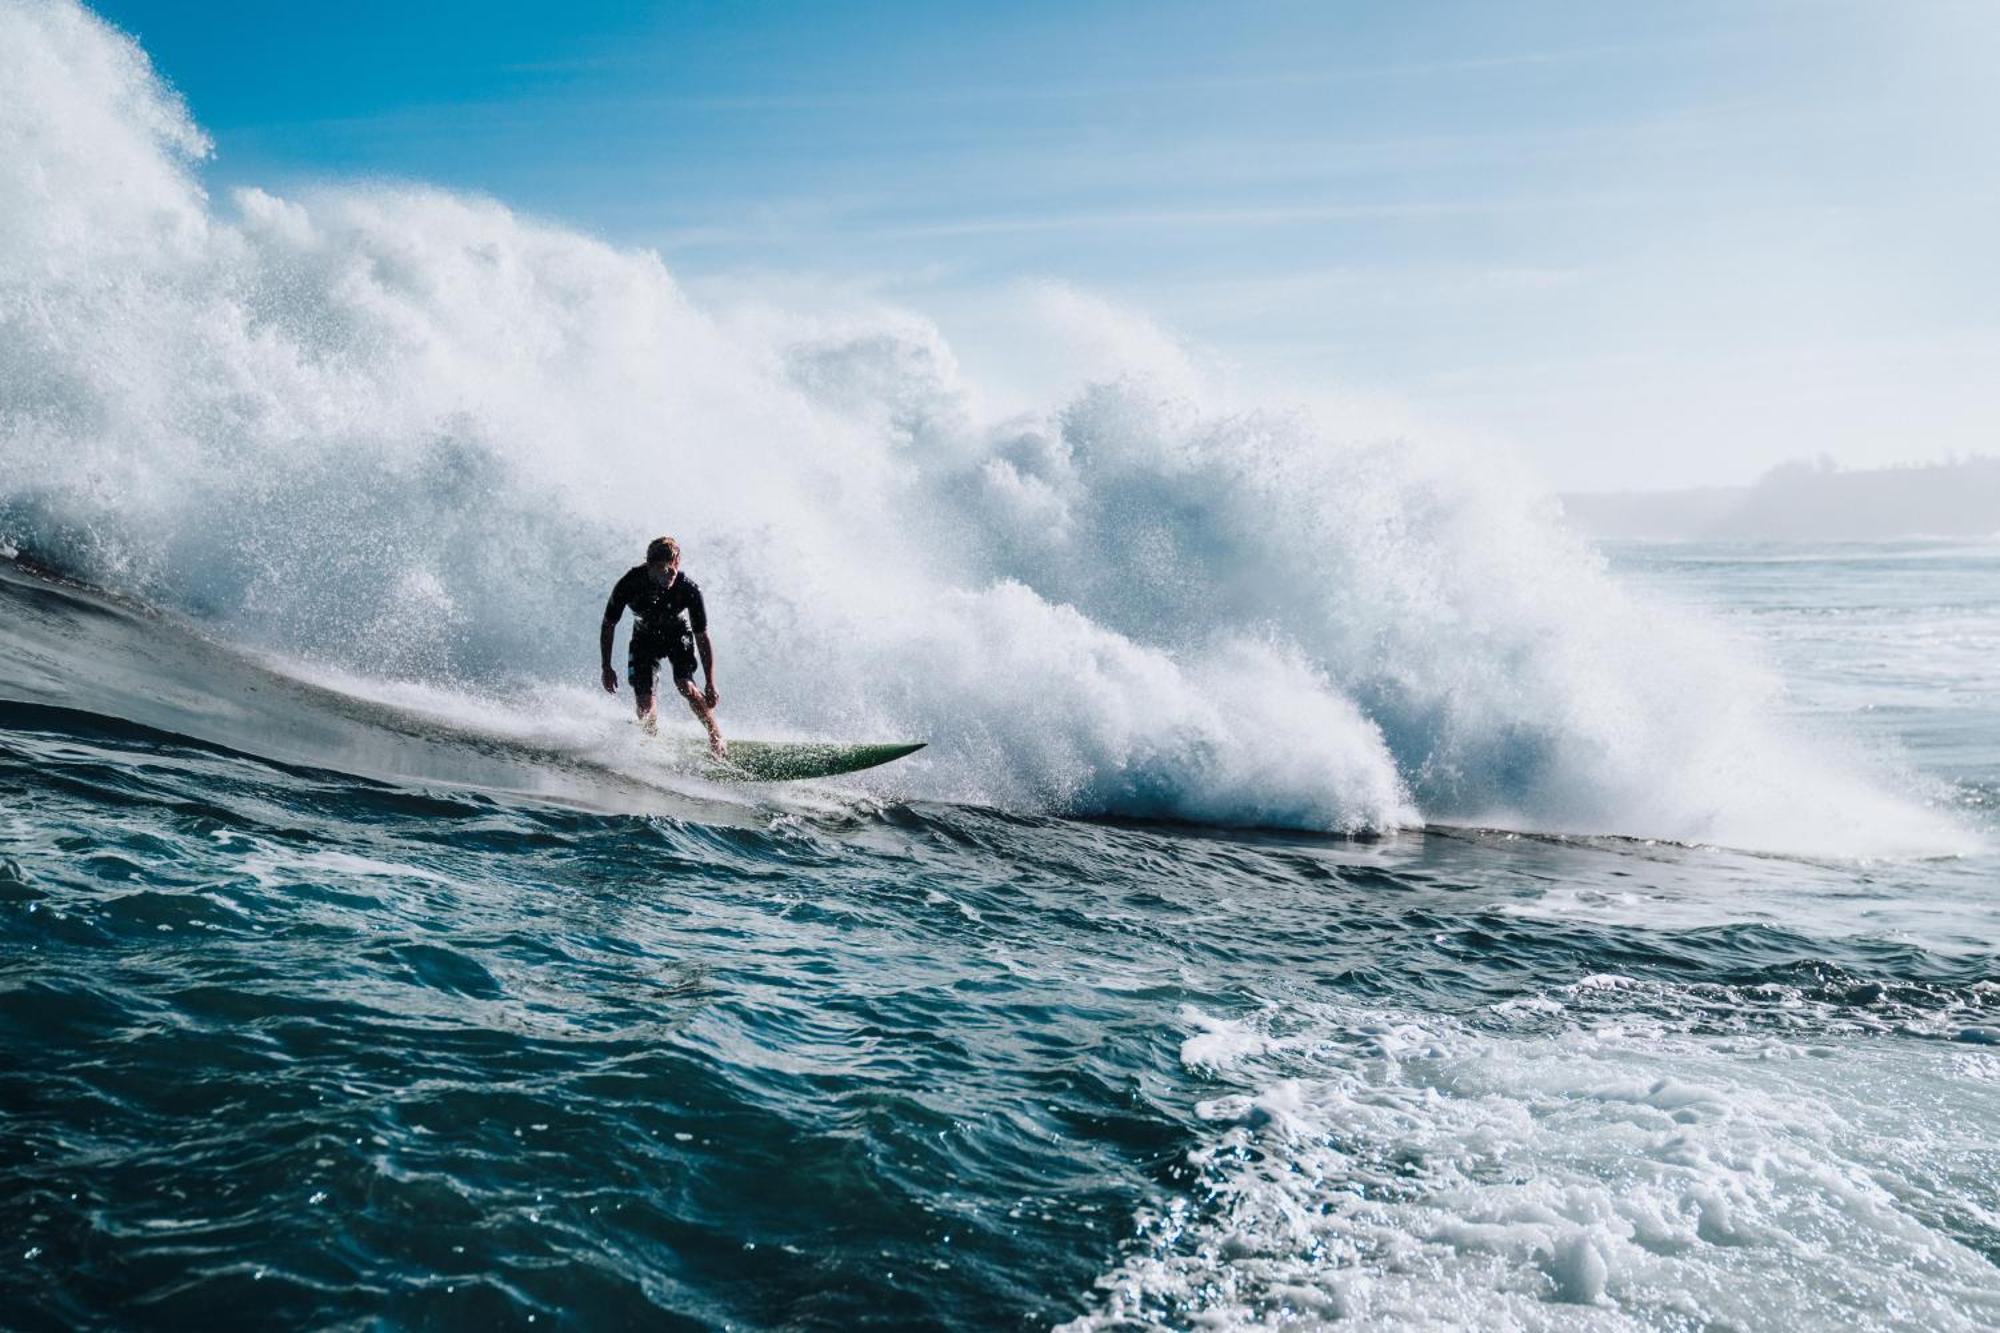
point(1645, 244)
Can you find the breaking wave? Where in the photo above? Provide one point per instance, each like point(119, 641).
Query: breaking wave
point(415, 435)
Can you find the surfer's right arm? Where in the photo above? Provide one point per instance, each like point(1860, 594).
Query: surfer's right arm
point(613, 609)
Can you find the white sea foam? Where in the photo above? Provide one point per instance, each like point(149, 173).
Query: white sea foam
point(1616, 1170)
point(416, 435)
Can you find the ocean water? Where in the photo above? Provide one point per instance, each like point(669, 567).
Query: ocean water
point(535, 1039)
point(1333, 890)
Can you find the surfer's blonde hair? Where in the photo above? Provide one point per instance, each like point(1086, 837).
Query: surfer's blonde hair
point(663, 548)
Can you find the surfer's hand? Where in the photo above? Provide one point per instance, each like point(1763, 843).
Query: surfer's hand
point(710, 697)
point(610, 679)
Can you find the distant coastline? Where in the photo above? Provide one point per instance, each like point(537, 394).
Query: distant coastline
point(1806, 501)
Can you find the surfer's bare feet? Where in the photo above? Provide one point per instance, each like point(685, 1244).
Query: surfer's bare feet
point(650, 724)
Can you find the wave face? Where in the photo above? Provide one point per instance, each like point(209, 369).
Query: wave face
point(414, 435)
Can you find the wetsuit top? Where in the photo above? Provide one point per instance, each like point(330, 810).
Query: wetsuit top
point(661, 613)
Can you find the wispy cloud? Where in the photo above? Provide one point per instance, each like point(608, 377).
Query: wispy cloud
point(879, 221)
point(1042, 88)
point(1156, 219)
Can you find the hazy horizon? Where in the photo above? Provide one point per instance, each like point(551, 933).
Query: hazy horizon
point(1646, 249)
point(1809, 501)
point(1810, 465)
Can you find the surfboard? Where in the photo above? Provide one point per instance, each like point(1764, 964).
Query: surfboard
point(791, 761)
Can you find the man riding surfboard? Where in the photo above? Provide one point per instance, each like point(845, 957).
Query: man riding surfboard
point(670, 622)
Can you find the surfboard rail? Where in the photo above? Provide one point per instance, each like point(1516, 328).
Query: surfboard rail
point(794, 761)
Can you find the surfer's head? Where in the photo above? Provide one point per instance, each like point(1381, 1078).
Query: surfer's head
point(663, 557)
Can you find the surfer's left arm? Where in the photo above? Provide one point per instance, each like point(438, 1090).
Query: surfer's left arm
point(698, 622)
point(701, 645)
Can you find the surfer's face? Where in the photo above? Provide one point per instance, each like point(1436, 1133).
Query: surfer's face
point(662, 571)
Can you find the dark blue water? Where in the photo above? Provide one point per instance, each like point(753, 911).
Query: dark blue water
point(281, 1046)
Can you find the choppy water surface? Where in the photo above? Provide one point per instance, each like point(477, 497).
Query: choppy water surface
point(287, 1046)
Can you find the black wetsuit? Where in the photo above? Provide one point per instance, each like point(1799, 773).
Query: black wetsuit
point(664, 623)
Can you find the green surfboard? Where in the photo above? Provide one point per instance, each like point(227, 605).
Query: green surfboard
point(790, 761)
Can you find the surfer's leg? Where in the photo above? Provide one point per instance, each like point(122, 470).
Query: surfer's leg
point(716, 745)
point(642, 668)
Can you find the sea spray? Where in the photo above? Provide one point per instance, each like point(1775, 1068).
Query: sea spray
point(412, 434)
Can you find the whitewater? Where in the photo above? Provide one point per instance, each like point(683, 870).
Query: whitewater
point(1333, 890)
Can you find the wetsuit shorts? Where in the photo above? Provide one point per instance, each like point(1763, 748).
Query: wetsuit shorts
point(642, 661)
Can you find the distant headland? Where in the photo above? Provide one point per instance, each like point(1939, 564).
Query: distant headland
point(1807, 501)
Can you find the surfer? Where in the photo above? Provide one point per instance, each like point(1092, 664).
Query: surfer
point(670, 622)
